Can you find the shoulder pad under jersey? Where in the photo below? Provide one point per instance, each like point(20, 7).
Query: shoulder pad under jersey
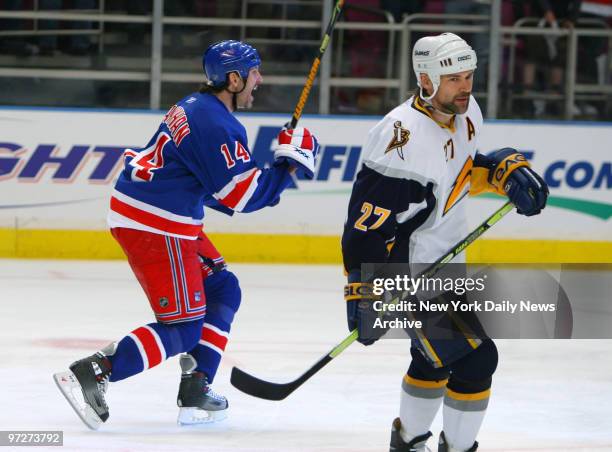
point(401, 145)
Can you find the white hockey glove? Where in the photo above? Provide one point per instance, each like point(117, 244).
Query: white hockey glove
point(299, 148)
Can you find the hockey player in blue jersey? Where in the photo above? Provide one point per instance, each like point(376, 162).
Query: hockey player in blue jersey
point(199, 157)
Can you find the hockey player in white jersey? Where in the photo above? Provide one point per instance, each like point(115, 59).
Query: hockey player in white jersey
point(408, 205)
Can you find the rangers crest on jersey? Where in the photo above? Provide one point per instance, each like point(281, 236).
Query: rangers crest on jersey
point(400, 138)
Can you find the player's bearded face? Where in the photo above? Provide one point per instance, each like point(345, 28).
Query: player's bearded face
point(245, 98)
point(453, 95)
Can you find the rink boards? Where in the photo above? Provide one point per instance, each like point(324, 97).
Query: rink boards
point(57, 169)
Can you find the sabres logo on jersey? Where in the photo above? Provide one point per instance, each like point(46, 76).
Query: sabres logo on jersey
point(399, 140)
point(459, 188)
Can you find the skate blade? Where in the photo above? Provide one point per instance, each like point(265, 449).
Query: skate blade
point(196, 416)
point(71, 389)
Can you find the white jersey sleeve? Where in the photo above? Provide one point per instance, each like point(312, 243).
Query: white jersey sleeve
point(398, 146)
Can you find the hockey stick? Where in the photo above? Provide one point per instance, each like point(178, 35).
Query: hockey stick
point(278, 391)
point(297, 113)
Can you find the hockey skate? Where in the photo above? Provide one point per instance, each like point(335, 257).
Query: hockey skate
point(198, 403)
point(84, 386)
point(398, 444)
point(444, 447)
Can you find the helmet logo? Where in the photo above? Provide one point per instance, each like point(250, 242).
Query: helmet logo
point(464, 58)
point(400, 138)
point(421, 53)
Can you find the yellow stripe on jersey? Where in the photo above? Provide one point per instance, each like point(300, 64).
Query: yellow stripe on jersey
point(418, 104)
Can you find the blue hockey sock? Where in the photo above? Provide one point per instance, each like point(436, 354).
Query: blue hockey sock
point(209, 350)
point(222, 301)
point(149, 345)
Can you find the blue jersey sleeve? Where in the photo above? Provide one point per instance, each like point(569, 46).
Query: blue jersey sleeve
point(219, 156)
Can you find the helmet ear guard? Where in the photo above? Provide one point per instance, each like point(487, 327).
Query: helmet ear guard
point(441, 55)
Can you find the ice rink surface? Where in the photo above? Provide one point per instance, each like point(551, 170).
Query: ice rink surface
point(546, 396)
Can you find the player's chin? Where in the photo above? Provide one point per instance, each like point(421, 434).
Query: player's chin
point(461, 104)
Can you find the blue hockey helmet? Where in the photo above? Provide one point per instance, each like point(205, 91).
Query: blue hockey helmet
point(224, 57)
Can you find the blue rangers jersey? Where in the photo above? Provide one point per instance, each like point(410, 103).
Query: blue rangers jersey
point(198, 157)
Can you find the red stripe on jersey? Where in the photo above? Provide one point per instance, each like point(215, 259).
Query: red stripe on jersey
point(232, 199)
point(154, 221)
point(149, 344)
point(214, 338)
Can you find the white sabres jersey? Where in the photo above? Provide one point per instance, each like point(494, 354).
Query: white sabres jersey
point(436, 159)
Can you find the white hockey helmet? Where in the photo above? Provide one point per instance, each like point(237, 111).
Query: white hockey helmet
point(440, 55)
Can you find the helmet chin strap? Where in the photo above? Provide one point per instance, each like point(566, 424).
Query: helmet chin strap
point(235, 93)
point(430, 105)
point(428, 98)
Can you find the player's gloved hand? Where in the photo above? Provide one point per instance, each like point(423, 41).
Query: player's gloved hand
point(360, 313)
point(299, 148)
point(527, 191)
point(511, 172)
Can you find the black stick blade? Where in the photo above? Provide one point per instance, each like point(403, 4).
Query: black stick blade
point(259, 388)
point(278, 391)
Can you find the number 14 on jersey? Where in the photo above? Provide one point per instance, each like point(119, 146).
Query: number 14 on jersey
point(240, 153)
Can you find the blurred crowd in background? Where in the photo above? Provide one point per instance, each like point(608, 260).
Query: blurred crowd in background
point(531, 81)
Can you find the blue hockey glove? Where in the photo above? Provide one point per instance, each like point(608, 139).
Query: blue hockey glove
point(360, 313)
point(511, 174)
point(527, 191)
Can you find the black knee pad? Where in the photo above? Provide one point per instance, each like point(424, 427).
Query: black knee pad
point(421, 369)
point(473, 372)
